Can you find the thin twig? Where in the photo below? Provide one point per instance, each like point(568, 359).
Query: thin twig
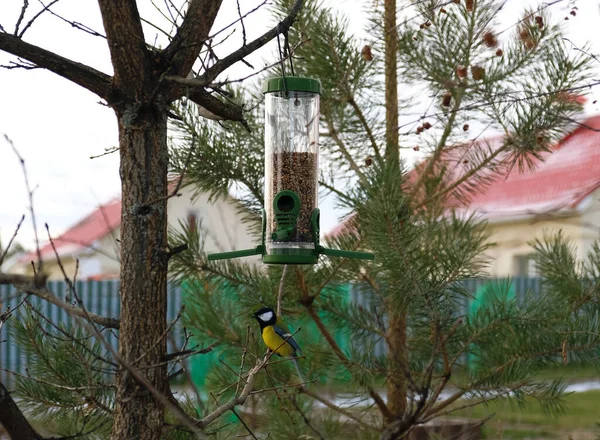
point(36, 285)
point(5, 252)
point(21, 16)
point(244, 353)
point(193, 82)
point(76, 25)
point(61, 387)
point(168, 403)
point(8, 313)
point(283, 26)
point(306, 421)
point(30, 194)
point(242, 22)
point(107, 151)
point(283, 387)
point(243, 423)
point(281, 289)
point(385, 411)
point(35, 17)
point(158, 341)
point(70, 337)
point(336, 408)
point(279, 399)
point(264, 2)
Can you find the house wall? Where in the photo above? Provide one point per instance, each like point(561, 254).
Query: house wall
point(512, 237)
point(51, 268)
point(590, 222)
point(103, 258)
point(512, 241)
point(219, 218)
point(224, 226)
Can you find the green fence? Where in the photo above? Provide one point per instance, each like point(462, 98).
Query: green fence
point(102, 297)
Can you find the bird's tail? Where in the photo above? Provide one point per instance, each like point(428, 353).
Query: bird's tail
point(297, 365)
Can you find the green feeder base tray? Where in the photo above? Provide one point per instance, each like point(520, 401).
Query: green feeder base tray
point(291, 256)
point(290, 259)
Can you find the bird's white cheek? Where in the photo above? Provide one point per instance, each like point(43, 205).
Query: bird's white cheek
point(267, 316)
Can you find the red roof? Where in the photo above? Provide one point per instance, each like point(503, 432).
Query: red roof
point(85, 233)
point(557, 183)
point(105, 219)
point(560, 182)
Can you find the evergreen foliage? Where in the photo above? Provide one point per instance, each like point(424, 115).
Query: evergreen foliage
point(68, 386)
point(517, 81)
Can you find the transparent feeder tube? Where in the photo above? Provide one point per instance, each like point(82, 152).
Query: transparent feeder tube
point(291, 165)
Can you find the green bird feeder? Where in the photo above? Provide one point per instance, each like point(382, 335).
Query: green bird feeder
point(290, 225)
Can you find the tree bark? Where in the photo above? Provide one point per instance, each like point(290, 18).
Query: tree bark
point(142, 339)
point(396, 385)
point(13, 420)
point(392, 151)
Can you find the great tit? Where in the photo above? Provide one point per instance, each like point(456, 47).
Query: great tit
point(277, 337)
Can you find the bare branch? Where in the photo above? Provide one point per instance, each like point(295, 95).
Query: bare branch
point(244, 353)
point(19, 64)
point(7, 248)
point(171, 404)
point(213, 71)
point(244, 423)
point(102, 386)
point(305, 418)
point(185, 46)
point(216, 85)
point(75, 24)
point(8, 313)
point(247, 390)
point(21, 16)
point(334, 135)
point(260, 5)
point(385, 411)
point(36, 16)
point(30, 195)
point(337, 409)
point(87, 77)
point(211, 417)
point(299, 386)
point(242, 22)
point(224, 110)
point(37, 286)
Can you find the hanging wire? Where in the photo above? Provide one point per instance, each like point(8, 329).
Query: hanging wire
point(281, 57)
point(288, 52)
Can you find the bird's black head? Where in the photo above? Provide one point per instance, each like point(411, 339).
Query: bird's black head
point(265, 317)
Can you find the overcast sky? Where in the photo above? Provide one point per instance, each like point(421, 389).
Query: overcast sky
point(57, 125)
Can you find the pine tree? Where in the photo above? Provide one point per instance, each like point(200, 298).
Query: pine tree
point(475, 76)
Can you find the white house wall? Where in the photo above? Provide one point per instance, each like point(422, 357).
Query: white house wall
point(512, 239)
point(590, 223)
point(219, 218)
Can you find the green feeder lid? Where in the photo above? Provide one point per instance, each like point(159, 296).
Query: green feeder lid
point(292, 84)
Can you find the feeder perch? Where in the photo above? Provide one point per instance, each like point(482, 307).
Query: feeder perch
point(290, 224)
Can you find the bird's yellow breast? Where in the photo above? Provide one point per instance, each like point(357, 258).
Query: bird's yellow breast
point(273, 341)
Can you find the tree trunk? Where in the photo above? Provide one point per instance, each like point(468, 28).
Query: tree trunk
point(142, 338)
point(396, 386)
point(13, 420)
point(392, 151)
